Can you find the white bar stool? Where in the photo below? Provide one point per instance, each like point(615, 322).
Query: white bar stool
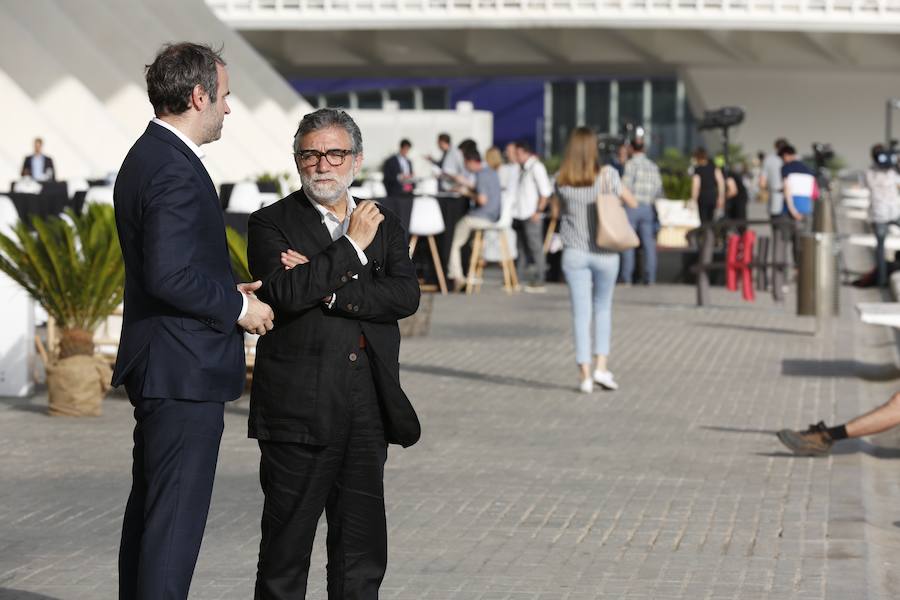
point(426, 220)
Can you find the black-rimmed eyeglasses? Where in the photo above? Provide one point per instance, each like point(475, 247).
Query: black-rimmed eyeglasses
point(311, 158)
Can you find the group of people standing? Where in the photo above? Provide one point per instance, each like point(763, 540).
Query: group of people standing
point(333, 278)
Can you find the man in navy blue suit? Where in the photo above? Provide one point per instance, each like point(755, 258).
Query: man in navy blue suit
point(181, 353)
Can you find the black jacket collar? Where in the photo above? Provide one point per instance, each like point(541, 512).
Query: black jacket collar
point(163, 134)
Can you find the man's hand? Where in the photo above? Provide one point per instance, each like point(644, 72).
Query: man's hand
point(536, 217)
point(364, 223)
point(291, 258)
point(248, 288)
point(259, 315)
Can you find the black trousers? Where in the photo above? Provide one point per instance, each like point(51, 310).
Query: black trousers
point(176, 446)
point(346, 480)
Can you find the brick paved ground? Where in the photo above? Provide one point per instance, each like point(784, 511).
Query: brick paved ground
point(521, 488)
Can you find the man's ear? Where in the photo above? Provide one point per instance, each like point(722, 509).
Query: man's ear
point(199, 97)
point(357, 164)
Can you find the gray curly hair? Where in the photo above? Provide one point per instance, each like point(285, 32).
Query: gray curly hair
point(325, 118)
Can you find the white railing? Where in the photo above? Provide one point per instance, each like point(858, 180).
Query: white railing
point(805, 15)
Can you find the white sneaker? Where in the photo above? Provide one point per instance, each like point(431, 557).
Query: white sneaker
point(587, 386)
point(605, 380)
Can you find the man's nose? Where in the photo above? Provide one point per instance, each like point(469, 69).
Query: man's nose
point(323, 165)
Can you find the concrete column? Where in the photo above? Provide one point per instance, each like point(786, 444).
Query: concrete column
point(680, 106)
point(580, 103)
point(614, 107)
point(647, 112)
point(548, 118)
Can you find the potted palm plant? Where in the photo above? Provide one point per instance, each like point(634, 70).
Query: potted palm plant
point(73, 267)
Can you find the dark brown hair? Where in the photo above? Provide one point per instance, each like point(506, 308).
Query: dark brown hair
point(174, 73)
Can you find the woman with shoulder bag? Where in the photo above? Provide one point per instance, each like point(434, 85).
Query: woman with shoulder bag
point(590, 270)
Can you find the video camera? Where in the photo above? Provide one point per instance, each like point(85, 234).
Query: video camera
point(722, 118)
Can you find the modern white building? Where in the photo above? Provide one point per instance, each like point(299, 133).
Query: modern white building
point(810, 70)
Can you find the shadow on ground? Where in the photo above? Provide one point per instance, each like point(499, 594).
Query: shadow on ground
point(763, 330)
point(841, 448)
point(498, 379)
point(10, 594)
point(796, 367)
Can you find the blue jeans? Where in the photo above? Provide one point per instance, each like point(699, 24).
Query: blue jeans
point(591, 279)
point(643, 220)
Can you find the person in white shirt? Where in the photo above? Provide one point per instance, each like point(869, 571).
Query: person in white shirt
point(533, 193)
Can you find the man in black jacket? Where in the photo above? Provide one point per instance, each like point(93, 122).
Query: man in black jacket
point(38, 166)
point(181, 353)
point(326, 397)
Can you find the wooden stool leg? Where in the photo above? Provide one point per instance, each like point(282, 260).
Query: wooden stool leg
point(513, 276)
point(473, 262)
point(547, 238)
point(437, 264)
point(504, 262)
point(413, 240)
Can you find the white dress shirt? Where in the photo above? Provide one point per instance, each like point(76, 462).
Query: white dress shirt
point(37, 167)
point(201, 155)
point(338, 229)
point(533, 185)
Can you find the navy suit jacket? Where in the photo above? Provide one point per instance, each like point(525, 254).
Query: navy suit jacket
point(179, 333)
point(48, 164)
point(391, 170)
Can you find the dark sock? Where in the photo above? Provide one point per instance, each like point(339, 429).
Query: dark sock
point(838, 433)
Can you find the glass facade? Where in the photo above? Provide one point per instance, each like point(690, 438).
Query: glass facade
point(563, 111)
point(609, 105)
point(537, 109)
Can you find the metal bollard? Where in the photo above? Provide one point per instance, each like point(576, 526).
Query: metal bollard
point(817, 281)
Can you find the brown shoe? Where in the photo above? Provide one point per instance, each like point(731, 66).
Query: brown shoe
point(815, 441)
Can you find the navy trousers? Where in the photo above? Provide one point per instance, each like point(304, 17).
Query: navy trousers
point(176, 446)
point(346, 480)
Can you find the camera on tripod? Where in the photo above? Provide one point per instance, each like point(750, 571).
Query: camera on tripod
point(721, 118)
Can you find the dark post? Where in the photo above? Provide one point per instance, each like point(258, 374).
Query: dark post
point(706, 254)
point(779, 259)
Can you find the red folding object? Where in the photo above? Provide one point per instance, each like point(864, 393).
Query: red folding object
point(738, 262)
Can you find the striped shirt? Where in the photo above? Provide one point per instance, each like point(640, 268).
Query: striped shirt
point(578, 211)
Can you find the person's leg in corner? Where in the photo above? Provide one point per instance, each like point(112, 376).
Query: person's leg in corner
point(647, 235)
point(176, 449)
point(578, 278)
point(357, 526)
point(818, 439)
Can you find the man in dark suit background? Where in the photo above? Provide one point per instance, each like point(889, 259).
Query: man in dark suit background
point(326, 397)
point(398, 172)
point(181, 353)
point(38, 166)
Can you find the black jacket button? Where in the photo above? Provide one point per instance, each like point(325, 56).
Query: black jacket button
point(356, 308)
point(352, 357)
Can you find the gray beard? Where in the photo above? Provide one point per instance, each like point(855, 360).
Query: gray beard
point(308, 186)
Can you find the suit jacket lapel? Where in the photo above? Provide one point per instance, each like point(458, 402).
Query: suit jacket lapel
point(311, 220)
point(167, 136)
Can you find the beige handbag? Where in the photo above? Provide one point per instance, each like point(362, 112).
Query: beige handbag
point(614, 231)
